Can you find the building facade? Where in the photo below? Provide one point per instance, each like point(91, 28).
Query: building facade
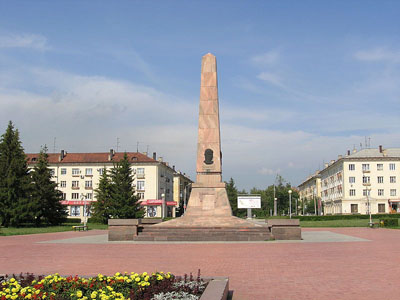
point(310, 190)
point(362, 182)
point(78, 175)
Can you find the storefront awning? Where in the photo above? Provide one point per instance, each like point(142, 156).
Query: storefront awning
point(157, 202)
point(66, 202)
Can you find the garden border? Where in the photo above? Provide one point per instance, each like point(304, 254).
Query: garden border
point(217, 288)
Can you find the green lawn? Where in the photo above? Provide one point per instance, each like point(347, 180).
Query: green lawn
point(338, 223)
point(47, 229)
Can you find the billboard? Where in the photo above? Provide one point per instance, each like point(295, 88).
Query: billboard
point(249, 201)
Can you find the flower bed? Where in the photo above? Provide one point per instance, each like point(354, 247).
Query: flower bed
point(131, 286)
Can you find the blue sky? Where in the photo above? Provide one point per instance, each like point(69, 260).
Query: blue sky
point(300, 82)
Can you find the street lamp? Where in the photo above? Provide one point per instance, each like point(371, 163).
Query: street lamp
point(83, 198)
point(163, 206)
point(290, 203)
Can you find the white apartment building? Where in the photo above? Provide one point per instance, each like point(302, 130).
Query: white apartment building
point(78, 175)
point(361, 181)
point(310, 189)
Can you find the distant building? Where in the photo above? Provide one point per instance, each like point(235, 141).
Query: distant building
point(78, 175)
point(361, 181)
point(310, 190)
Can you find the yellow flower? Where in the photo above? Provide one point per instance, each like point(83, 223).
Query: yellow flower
point(144, 273)
point(137, 279)
point(79, 294)
point(93, 295)
point(12, 279)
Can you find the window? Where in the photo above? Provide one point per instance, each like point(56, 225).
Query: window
point(64, 196)
point(352, 192)
point(89, 172)
point(75, 196)
point(52, 172)
point(392, 192)
point(63, 171)
point(392, 179)
point(75, 184)
point(365, 167)
point(381, 208)
point(381, 192)
point(140, 171)
point(89, 196)
point(63, 184)
point(88, 184)
point(352, 179)
point(101, 171)
point(354, 208)
point(140, 185)
point(379, 167)
point(380, 179)
point(75, 211)
point(366, 179)
point(366, 192)
point(392, 167)
point(75, 172)
point(140, 195)
point(352, 167)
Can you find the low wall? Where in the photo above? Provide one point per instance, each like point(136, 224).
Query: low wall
point(122, 229)
point(284, 229)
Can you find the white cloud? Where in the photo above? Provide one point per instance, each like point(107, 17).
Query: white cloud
point(267, 58)
point(32, 41)
point(270, 78)
point(378, 54)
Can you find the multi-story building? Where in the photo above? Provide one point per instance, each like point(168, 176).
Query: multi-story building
point(310, 189)
point(182, 188)
point(362, 181)
point(78, 175)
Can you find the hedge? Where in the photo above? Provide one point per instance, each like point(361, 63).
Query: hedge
point(339, 217)
point(389, 222)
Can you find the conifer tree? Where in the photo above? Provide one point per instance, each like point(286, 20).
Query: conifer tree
point(123, 202)
point(232, 192)
point(101, 208)
point(45, 197)
point(14, 180)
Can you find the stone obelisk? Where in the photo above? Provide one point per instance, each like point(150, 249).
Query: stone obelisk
point(208, 205)
point(208, 196)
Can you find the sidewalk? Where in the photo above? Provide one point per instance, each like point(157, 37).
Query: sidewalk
point(340, 263)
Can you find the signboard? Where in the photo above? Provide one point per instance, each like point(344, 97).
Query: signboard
point(249, 201)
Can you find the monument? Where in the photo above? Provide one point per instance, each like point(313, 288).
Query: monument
point(209, 214)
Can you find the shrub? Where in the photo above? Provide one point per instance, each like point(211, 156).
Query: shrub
point(389, 222)
point(72, 220)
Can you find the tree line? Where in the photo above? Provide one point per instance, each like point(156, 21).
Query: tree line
point(280, 190)
point(31, 197)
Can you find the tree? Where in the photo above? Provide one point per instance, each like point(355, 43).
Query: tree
point(232, 192)
point(123, 202)
point(101, 208)
point(14, 180)
point(45, 197)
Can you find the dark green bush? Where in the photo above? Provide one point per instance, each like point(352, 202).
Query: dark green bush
point(389, 222)
point(72, 220)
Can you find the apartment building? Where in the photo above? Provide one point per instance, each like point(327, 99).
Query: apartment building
point(362, 181)
point(310, 189)
point(78, 175)
point(182, 188)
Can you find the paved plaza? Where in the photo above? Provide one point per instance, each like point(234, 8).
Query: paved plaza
point(340, 263)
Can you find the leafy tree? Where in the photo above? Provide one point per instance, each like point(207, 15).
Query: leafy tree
point(123, 202)
point(102, 207)
point(45, 197)
point(14, 180)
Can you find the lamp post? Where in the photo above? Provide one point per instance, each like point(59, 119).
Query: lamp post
point(290, 203)
point(275, 203)
point(83, 198)
point(163, 206)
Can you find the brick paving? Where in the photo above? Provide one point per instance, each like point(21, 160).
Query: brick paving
point(320, 270)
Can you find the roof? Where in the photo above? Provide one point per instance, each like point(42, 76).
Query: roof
point(91, 157)
point(374, 152)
